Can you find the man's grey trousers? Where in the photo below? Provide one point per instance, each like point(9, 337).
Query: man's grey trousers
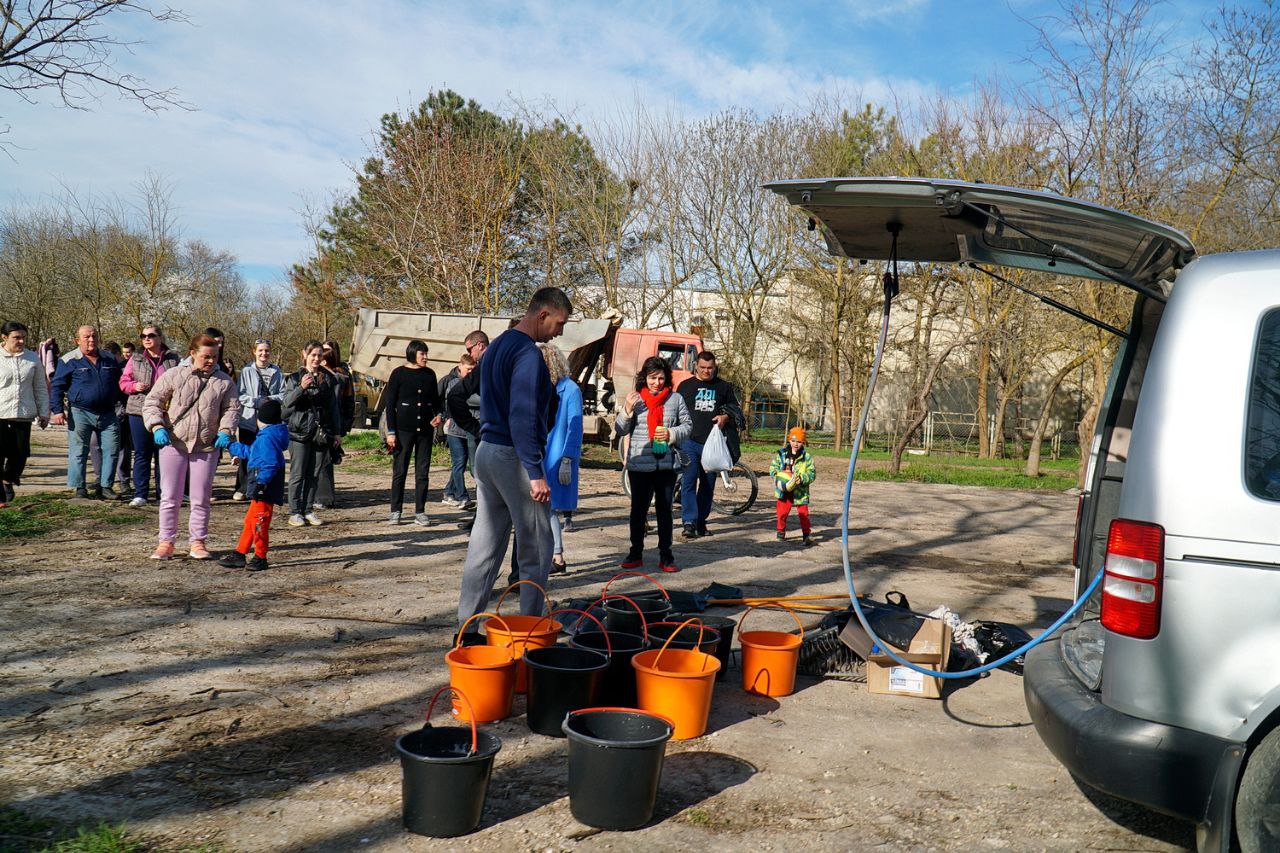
point(502, 501)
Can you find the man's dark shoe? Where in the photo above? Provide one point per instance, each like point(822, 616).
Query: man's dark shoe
point(82, 493)
point(95, 494)
point(234, 560)
point(703, 531)
point(257, 564)
point(782, 534)
point(807, 540)
point(689, 532)
point(9, 494)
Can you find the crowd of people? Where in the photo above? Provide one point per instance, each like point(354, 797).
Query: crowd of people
point(510, 413)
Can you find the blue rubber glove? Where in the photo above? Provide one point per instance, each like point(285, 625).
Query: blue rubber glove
point(161, 437)
point(223, 441)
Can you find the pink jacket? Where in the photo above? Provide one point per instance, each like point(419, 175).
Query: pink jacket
point(216, 409)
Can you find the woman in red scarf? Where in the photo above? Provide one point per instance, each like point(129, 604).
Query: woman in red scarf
point(655, 420)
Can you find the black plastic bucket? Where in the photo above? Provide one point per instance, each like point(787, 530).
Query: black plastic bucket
point(615, 764)
point(622, 617)
point(724, 649)
point(618, 682)
point(561, 679)
point(686, 636)
point(443, 784)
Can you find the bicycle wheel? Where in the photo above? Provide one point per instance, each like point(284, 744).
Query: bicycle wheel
point(737, 490)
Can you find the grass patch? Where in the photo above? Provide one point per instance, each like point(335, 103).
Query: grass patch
point(23, 833)
point(990, 477)
point(364, 440)
point(42, 512)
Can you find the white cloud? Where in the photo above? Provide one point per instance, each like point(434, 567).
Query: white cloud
point(289, 93)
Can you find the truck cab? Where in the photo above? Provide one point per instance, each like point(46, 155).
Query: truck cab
point(1165, 689)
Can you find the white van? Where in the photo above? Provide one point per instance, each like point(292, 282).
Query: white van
point(1165, 689)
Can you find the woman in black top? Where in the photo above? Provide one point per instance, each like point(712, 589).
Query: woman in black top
point(412, 404)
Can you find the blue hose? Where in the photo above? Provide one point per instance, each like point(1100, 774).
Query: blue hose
point(844, 542)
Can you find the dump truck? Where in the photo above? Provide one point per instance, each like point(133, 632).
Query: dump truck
point(603, 356)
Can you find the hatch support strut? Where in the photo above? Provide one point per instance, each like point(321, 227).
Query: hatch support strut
point(1048, 300)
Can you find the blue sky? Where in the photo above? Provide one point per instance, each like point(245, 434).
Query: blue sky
point(287, 92)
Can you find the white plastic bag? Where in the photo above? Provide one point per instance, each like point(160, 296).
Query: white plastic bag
point(715, 453)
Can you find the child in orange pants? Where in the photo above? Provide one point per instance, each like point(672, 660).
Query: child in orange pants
point(793, 469)
point(264, 485)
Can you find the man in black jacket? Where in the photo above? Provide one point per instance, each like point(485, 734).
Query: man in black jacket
point(463, 400)
point(711, 402)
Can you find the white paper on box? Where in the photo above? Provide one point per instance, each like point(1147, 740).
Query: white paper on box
point(903, 678)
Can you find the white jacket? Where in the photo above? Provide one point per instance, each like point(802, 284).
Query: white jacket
point(24, 391)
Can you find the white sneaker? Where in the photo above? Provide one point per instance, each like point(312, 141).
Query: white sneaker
point(447, 501)
point(319, 506)
point(237, 496)
point(138, 502)
point(421, 519)
point(313, 519)
point(393, 518)
point(296, 520)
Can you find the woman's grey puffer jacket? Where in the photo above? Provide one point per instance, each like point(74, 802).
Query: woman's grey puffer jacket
point(675, 417)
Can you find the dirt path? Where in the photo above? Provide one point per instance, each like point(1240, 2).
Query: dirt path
point(258, 712)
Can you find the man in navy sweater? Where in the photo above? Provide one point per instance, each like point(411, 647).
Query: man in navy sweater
point(89, 380)
point(511, 488)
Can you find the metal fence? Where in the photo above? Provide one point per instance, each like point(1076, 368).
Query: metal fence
point(954, 433)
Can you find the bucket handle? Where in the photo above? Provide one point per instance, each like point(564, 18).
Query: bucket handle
point(470, 712)
point(660, 587)
point(458, 642)
point(662, 717)
point(501, 598)
point(790, 613)
point(607, 644)
point(674, 633)
point(644, 628)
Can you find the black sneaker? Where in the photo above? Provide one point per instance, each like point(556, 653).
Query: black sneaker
point(95, 494)
point(233, 560)
point(689, 532)
point(807, 540)
point(703, 531)
point(8, 493)
point(256, 564)
point(782, 534)
point(82, 493)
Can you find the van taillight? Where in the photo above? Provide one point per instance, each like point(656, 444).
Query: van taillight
point(1134, 578)
point(1075, 543)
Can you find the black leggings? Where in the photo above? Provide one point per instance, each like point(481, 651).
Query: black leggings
point(15, 449)
point(419, 445)
point(645, 487)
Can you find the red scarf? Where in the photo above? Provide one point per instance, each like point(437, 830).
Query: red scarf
point(655, 403)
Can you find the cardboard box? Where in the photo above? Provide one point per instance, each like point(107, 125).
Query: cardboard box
point(929, 648)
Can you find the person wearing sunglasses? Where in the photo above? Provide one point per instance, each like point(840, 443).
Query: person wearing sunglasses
point(261, 380)
point(141, 372)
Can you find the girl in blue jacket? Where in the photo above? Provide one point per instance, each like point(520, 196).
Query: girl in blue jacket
point(564, 450)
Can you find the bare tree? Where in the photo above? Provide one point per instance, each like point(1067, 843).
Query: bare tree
point(65, 46)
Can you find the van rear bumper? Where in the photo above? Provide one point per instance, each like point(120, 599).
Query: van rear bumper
point(1176, 771)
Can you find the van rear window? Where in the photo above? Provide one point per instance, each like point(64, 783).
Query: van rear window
point(1262, 435)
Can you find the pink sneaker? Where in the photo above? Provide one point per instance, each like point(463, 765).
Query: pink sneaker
point(198, 551)
point(163, 551)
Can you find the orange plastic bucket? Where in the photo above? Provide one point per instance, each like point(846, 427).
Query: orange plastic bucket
point(677, 684)
point(486, 675)
point(769, 658)
point(518, 633)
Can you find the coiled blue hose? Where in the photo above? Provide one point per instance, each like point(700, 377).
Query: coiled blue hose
point(844, 539)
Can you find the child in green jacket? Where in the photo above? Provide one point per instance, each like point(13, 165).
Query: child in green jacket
point(793, 470)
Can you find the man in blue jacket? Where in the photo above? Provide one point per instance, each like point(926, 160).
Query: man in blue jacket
point(90, 382)
point(511, 487)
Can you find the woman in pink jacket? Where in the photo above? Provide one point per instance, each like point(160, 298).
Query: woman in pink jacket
point(192, 412)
